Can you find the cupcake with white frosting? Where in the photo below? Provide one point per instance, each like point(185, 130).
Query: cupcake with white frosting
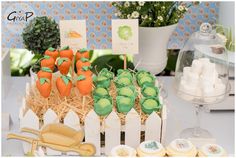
point(181, 147)
point(211, 150)
point(123, 151)
point(151, 148)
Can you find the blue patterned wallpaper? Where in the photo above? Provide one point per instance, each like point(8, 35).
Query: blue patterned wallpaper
point(98, 16)
point(196, 15)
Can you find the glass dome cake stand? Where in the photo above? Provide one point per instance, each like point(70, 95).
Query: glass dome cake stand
point(200, 104)
point(201, 75)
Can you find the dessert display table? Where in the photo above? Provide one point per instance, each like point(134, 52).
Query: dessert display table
point(180, 115)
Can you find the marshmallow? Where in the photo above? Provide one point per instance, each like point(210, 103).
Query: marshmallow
point(184, 91)
point(182, 82)
point(208, 94)
point(206, 81)
point(201, 80)
point(181, 85)
point(186, 70)
point(192, 78)
point(209, 78)
point(196, 67)
point(210, 73)
point(189, 89)
point(209, 69)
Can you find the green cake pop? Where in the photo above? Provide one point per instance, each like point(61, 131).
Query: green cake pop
point(128, 91)
point(105, 72)
point(102, 81)
point(122, 81)
point(150, 104)
point(122, 72)
point(150, 91)
point(146, 80)
point(124, 104)
point(100, 92)
point(141, 73)
point(103, 106)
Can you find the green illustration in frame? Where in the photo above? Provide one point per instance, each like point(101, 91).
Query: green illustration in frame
point(125, 32)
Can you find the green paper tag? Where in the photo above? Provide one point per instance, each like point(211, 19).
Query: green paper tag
point(43, 80)
point(84, 59)
point(46, 69)
point(81, 77)
point(66, 79)
point(61, 60)
point(51, 49)
point(65, 48)
point(46, 57)
point(83, 50)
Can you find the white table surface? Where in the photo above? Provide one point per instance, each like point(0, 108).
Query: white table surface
point(180, 116)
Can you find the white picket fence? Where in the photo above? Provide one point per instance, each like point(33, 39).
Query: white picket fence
point(154, 128)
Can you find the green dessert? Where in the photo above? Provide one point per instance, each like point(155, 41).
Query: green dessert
point(124, 104)
point(149, 91)
point(100, 92)
point(105, 72)
point(142, 73)
point(103, 106)
point(122, 81)
point(102, 81)
point(150, 104)
point(146, 80)
point(128, 91)
point(122, 72)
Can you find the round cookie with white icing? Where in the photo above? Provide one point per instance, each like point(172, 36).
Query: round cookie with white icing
point(181, 147)
point(123, 151)
point(211, 150)
point(151, 148)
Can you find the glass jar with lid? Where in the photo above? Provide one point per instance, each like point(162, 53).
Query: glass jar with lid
point(201, 75)
point(202, 68)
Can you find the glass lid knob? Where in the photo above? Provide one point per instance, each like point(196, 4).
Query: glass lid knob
point(206, 31)
point(205, 28)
